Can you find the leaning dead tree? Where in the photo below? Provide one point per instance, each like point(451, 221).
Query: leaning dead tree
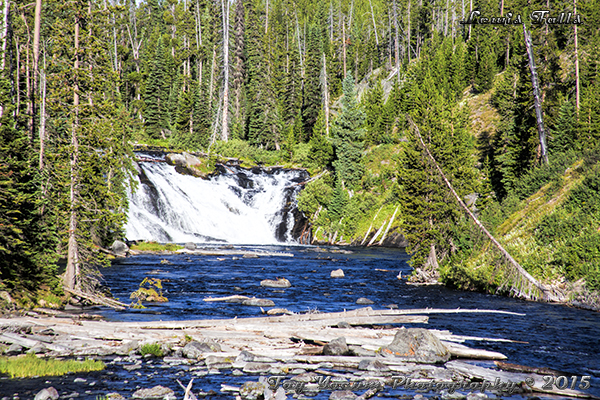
point(521, 283)
point(537, 102)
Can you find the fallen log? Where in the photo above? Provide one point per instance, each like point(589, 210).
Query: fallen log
point(458, 350)
point(523, 368)
point(532, 381)
point(228, 299)
point(101, 300)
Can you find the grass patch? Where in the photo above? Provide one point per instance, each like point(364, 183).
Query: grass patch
point(154, 246)
point(30, 366)
point(152, 348)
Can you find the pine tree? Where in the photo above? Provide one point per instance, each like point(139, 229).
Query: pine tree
point(27, 236)
point(374, 106)
point(157, 94)
point(312, 84)
point(348, 136)
point(321, 150)
point(564, 135)
point(428, 209)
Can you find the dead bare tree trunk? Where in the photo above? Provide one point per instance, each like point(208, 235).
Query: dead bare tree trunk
point(267, 17)
point(344, 45)
point(408, 33)
point(4, 34)
point(396, 40)
point(4, 38)
point(536, 97)
point(225, 122)
point(325, 95)
point(36, 58)
point(42, 118)
point(70, 279)
point(374, 25)
point(576, 61)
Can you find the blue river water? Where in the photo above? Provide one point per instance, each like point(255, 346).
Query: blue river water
point(547, 335)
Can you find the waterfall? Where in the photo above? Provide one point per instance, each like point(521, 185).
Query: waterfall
point(238, 205)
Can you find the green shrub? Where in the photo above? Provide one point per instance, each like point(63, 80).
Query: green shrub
point(152, 348)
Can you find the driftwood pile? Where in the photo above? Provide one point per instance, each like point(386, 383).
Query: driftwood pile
point(276, 345)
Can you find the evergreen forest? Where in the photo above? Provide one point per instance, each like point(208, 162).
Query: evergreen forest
point(376, 98)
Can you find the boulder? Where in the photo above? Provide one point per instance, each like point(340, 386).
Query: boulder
point(279, 283)
point(364, 301)
point(195, 349)
point(190, 246)
point(127, 347)
point(416, 345)
point(337, 347)
point(258, 302)
point(175, 159)
point(337, 273)
point(119, 247)
point(47, 394)
point(155, 393)
point(343, 325)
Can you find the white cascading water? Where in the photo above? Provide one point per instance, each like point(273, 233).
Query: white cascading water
point(238, 206)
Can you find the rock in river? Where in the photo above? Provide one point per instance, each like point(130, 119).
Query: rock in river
point(364, 301)
point(337, 273)
point(119, 247)
point(279, 283)
point(417, 345)
point(155, 393)
point(47, 394)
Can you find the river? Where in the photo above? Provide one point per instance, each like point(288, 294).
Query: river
point(547, 335)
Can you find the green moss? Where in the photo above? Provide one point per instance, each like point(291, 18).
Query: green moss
point(154, 246)
point(30, 366)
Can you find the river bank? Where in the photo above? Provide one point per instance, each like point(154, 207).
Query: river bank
point(302, 350)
